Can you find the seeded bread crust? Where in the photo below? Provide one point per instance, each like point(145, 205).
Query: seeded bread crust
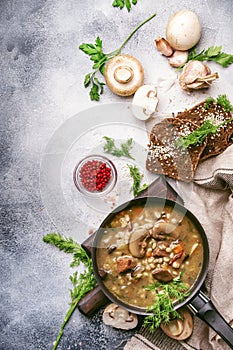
point(165, 158)
point(218, 142)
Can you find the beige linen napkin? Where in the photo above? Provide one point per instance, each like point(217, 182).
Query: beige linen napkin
point(210, 199)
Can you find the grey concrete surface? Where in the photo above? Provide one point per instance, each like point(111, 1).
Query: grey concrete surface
point(41, 87)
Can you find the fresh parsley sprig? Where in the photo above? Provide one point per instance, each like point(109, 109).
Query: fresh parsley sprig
point(96, 54)
point(222, 100)
point(83, 283)
point(213, 53)
point(68, 245)
point(123, 150)
point(137, 177)
point(208, 102)
point(124, 3)
point(199, 135)
point(163, 308)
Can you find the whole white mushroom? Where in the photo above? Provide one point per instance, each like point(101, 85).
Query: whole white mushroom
point(183, 30)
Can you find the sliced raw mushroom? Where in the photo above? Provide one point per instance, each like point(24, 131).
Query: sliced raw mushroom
point(162, 275)
point(124, 74)
point(174, 328)
point(118, 317)
point(145, 102)
point(179, 329)
point(138, 242)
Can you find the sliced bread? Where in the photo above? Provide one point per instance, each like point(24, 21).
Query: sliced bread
point(219, 141)
point(164, 157)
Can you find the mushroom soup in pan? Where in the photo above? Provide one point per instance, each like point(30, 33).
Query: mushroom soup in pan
point(142, 245)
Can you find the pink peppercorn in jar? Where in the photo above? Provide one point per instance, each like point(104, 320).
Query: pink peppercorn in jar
point(95, 175)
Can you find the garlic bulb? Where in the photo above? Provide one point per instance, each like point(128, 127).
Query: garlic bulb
point(196, 75)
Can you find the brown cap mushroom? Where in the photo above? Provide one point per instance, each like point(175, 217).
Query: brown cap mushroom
point(124, 75)
point(179, 329)
point(118, 317)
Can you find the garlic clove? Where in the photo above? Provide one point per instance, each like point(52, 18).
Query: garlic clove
point(178, 58)
point(163, 46)
point(196, 75)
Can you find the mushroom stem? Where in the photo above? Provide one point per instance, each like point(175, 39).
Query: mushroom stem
point(123, 74)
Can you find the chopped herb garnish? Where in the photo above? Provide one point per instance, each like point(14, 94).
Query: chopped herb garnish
point(123, 150)
point(208, 102)
point(83, 283)
point(124, 3)
point(163, 308)
point(221, 100)
point(199, 135)
point(137, 177)
point(96, 54)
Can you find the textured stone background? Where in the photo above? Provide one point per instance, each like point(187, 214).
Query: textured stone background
point(41, 87)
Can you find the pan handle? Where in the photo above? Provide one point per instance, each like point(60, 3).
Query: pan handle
point(203, 307)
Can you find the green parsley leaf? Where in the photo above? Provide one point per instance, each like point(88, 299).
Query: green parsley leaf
point(213, 53)
point(124, 3)
point(96, 89)
point(208, 102)
point(224, 102)
point(87, 80)
point(137, 177)
point(99, 58)
point(124, 149)
point(221, 100)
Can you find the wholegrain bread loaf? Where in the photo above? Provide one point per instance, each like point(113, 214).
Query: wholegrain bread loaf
point(164, 157)
point(214, 112)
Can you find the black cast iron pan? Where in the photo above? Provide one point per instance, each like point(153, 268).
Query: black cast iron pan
point(197, 301)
